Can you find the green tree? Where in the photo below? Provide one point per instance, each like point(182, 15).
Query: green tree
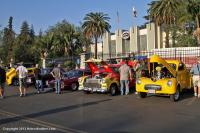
point(32, 34)
point(1, 37)
point(8, 41)
point(67, 39)
point(24, 36)
point(23, 45)
point(95, 25)
point(194, 9)
point(164, 12)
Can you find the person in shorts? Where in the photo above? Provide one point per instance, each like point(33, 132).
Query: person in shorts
point(2, 81)
point(195, 71)
point(22, 73)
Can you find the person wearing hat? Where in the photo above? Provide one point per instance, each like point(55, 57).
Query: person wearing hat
point(22, 73)
point(195, 71)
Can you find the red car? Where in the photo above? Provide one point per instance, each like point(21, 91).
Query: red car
point(105, 78)
point(70, 79)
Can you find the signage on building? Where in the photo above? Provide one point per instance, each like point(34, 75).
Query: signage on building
point(125, 35)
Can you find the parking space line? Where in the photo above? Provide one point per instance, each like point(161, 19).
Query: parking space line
point(191, 101)
point(41, 123)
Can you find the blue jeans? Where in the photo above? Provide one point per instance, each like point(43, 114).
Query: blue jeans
point(124, 83)
point(57, 86)
point(39, 85)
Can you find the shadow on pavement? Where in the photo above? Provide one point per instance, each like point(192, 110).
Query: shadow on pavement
point(48, 112)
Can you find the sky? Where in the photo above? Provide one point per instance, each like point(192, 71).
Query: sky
point(45, 13)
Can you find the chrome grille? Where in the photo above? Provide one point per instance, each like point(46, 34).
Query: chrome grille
point(92, 85)
point(152, 87)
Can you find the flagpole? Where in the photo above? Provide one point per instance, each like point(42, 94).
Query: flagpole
point(117, 23)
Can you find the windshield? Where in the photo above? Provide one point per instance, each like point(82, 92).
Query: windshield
point(173, 65)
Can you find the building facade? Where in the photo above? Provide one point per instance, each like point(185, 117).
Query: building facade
point(134, 40)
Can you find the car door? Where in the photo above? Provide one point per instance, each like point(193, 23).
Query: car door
point(183, 75)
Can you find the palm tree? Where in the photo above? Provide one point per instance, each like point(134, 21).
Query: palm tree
point(163, 12)
point(194, 9)
point(95, 25)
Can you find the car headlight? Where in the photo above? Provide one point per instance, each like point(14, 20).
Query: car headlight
point(103, 80)
point(139, 81)
point(169, 83)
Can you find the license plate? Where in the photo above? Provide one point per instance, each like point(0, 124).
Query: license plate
point(152, 91)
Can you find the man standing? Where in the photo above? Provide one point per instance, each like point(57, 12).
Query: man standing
point(196, 78)
point(56, 72)
point(125, 75)
point(22, 73)
point(2, 81)
point(39, 85)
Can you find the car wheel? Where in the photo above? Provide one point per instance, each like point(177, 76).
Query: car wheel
point(175, 97)
point(113, 90)
point(142, 94)
point(74, 86)
point(16, 82)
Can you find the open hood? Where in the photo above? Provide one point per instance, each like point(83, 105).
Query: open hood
point(157, 59)
point(92, 63)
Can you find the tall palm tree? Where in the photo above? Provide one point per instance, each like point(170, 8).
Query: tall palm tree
point(163, 12)
point(194, 9)
point(95, 25)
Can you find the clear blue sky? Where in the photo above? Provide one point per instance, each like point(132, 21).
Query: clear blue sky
point(45, 13)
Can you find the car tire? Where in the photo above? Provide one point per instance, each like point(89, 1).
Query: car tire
point(113, 90)
point(142, 94)
point(175, 97)
point(74, 86)
point(15, 82)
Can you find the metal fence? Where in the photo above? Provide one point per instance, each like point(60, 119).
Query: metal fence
point(186, 54)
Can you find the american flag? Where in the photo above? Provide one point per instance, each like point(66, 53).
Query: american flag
point(134, 12)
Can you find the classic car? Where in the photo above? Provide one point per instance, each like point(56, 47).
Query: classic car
point(166, 77)
point(70, 79)
point(104, 78)
point(12, 78)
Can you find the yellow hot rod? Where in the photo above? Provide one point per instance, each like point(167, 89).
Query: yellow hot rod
point(166, 77)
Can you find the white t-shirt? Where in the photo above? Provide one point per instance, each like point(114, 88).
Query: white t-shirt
point(22, 71)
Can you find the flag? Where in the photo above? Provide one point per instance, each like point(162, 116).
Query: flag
point(134, 12)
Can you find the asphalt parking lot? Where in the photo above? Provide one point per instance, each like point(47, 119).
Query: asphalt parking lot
point(77, 112)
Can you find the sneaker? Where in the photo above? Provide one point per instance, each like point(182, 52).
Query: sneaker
point(195, 94)
point(21, 95)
